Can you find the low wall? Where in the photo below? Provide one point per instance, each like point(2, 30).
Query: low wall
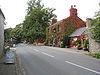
point(94, 46)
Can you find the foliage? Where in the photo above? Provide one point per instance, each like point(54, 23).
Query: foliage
point(78, 41)
point(96, 55)
point(69, 26)
point(70, 30)
point(66, 41)
point(13, 35)
point(52, 34)
point(79, 45)
point(7, 37)
point(36, 21)
point(86, 44)
point(62, 44)
point(96, 28)
point(7, 34)
point(17, 33)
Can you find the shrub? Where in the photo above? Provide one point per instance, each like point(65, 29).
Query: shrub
point(96, 55)
point(79, 46)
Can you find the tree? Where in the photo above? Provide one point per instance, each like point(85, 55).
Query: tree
point(17, 33)
point(7, 35)
point(36, 21)
point(96, 27)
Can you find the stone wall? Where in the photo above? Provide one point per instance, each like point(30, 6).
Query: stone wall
point(94, 47)
point(1, 33)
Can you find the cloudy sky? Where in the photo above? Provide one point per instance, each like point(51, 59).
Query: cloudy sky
point(15, 10)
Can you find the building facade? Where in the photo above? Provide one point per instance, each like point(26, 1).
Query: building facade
point(58, 30)
point(2, 19)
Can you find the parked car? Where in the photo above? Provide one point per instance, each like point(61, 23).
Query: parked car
point(10, 57)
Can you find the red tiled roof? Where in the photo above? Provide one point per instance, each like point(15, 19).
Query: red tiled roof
point(75, 21)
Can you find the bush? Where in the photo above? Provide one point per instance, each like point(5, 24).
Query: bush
point(96, 55)
point(65, 41)
point(79, 47)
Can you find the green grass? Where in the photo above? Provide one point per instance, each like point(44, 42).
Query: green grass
point(96, 55)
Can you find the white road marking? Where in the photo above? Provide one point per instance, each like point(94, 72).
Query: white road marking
point(47, 54)
point(36, 50)
point(83, 67)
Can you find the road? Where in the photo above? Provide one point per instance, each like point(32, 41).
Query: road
point(43, 60)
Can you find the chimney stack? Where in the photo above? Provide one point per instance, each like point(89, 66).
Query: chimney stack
point(73, 11)
point(88, 22)
point(54, 20)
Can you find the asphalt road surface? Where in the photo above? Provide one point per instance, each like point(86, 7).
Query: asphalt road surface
point(43, 60)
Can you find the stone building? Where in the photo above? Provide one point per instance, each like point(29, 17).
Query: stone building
point(57, 30)
point(2, 19)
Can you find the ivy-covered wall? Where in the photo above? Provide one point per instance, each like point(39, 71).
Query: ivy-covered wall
point(56, 32)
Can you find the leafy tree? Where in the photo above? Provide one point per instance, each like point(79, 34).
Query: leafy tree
point(36, 21)
point(96, 27)
point(17, 33)
point(7, 35)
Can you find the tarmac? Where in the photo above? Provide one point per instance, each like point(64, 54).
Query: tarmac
point(15, 69)
point(7, 69)
point(71, 50)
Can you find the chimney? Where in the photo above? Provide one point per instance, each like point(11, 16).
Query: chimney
point(74, 5)
point(73, 11)
point(88, 22)
point(71, 6)
point(54, 20)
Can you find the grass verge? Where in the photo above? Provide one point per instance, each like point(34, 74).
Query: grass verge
point(96, 55)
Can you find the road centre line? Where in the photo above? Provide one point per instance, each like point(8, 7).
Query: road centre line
point(82, 67)
point(44, 53)
point(47, 54)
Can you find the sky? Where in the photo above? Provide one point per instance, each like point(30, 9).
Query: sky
point(15, 10)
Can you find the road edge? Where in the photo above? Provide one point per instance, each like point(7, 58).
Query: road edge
point(18, 66)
